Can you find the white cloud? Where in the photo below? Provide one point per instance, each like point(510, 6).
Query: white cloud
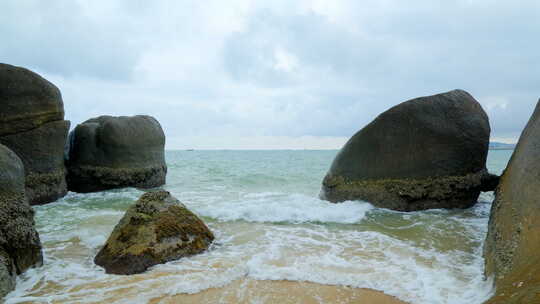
point(295, 72)
point(284, 61)
point(495, 103)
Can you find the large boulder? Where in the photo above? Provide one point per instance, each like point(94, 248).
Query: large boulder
point(32, 125)
point(428, 152)
point(20, 247)
point(512, 246)
point(155, 230)
point(113, 152)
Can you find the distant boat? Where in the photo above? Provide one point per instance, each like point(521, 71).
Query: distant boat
point(190, 149)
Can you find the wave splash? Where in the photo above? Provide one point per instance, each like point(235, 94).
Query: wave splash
point(275, 207)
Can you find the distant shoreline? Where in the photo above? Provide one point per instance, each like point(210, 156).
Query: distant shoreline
point(246, 150)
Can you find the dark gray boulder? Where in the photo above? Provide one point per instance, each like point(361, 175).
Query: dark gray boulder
point(20, 247)
point(512, 245)
point(32, 125)
point(428, 152)
point(113, 152)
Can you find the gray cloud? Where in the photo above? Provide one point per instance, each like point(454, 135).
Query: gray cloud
point(398, 52)
point(304, 69)
point(61, 37)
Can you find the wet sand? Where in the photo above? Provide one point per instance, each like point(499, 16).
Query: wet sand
point(247, 291)
point(242, 291)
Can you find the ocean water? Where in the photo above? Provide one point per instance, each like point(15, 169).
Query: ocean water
point(269, 224)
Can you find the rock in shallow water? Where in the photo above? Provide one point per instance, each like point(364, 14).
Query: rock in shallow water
point(155, 230)
point(512, 244)
point(428, 152)
point(32, 125)
point(113, 152)
point(20, 247)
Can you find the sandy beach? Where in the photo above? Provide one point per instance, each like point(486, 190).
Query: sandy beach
point(257, 291)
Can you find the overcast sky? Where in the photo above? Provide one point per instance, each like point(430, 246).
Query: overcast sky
point(242, 74)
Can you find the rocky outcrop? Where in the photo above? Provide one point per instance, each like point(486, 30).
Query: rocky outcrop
point(32, 125)
point(512, 245)
point(428, 152)
point(155, 230)
point(113, 152)
point(20, 247)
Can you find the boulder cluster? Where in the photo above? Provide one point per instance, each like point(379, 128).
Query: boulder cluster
point(39, 164)
point(428, 152)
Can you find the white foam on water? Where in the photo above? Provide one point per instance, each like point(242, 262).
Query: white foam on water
point(265, 236)
point(377, 262)
point(279, 208)
point(64, 272)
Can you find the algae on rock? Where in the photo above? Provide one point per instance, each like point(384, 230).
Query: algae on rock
point(20, 247)
point(155, 230)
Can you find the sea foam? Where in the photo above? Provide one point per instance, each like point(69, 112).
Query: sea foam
point(255, 245)
point(278, 207)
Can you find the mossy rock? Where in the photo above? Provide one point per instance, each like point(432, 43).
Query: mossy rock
point(411, 194)
point(155, 230)
point(20, 247)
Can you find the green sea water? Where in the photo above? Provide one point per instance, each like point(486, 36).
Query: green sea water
point(269, 223)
